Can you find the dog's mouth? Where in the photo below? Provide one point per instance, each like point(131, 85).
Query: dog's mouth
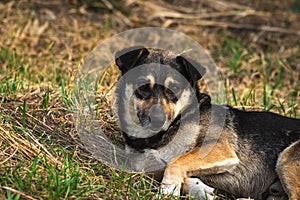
point(161, 137)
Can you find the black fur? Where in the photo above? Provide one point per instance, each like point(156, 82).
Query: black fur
point(130, 57)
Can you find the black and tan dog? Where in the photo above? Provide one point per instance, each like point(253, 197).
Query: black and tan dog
point(162, 111)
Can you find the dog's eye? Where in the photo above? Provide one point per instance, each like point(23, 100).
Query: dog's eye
point(144, 88)
point(172, 93)
point(143, 91)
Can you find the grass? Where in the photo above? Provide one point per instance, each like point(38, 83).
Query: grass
point(234, 50)
point(72, 179)
point(42, 46)
point(41, 175)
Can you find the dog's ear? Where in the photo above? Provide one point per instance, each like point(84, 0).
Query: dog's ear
point(129, 57)
point(192, 70)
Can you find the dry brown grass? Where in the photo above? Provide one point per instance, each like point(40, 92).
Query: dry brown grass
point(43, 44)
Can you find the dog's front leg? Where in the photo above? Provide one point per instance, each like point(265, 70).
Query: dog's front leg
point(207, 159)
point(172, 180)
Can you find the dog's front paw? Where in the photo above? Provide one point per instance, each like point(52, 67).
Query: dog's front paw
point(172, 181)
point(170, 189)
point(196, 188)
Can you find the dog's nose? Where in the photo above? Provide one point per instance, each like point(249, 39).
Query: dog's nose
point(157, 117)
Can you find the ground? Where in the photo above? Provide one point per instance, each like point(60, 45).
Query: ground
point(255, 44)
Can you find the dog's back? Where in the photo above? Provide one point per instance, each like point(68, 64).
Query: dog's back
point(266, 132)
point(261, 137)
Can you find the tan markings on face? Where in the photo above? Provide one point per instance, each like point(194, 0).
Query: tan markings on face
point(133, 110)
point(151, 80)
point(169, 109)
point(146, 105)
point(182, 102)
point(169, 81)
point(142, 105)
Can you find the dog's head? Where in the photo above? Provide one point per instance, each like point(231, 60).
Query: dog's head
point(155, 89)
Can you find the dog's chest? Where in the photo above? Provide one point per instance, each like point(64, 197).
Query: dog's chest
point(183, 141)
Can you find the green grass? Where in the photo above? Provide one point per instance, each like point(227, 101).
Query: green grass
point(73, 179)
point(46, 180)
point(271, 80)
point(234, 49)
point(46, 99)
point(41, 155)
point(66, 98)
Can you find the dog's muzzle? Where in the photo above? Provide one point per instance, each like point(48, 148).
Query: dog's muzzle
point(155, 119)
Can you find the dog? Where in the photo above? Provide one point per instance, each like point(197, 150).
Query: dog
point(162, 111)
